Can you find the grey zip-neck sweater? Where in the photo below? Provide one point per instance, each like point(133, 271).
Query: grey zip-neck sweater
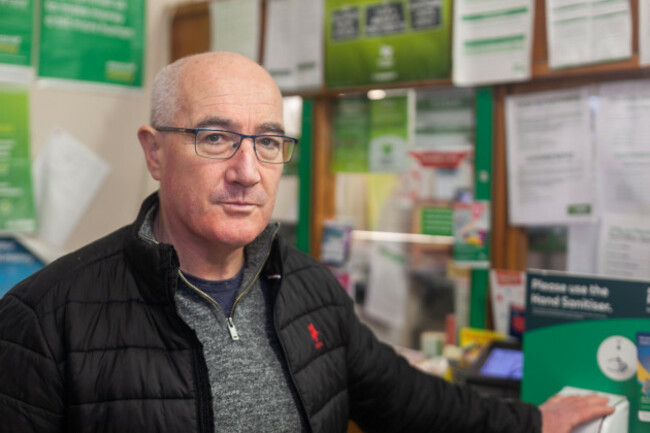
point(251, 389)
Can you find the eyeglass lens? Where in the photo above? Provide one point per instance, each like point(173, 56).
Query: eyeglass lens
point(222, 144)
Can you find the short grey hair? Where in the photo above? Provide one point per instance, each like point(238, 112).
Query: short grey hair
point(165, 96)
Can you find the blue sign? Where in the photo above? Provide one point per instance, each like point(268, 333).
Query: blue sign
point(16, 263)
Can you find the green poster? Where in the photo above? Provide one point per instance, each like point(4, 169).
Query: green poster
point(472, 234)
point(389, 134)
point(582, 331)
point(16, 17)
point(350, 135)
point(100, 41)
point(17, 211)
point(375, 41)
point(437, 220)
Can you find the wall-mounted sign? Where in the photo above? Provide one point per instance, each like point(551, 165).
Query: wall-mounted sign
point(100, 42)
point(372, 41)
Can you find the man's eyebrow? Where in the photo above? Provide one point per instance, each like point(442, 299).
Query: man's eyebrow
point(271, 127)
point(215, 122)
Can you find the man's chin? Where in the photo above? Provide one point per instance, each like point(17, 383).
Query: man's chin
point(237, 237)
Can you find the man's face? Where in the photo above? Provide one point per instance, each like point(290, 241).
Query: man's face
point(225, 203)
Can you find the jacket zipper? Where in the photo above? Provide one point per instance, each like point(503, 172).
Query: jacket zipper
point(232, 329)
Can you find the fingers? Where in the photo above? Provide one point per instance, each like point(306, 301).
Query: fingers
point(561, 413)
point(593, 406)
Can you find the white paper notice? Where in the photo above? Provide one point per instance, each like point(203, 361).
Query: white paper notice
point(309, 22)
point(644, 32)
point(492, 41)
point(623, 147)
point(582, 248)
point(588, 31)
point(67, 176)
point(235, 26)
point(624, 246)
point(293, 49)
point(549, 155)
point(387, 284)
point(278, 43)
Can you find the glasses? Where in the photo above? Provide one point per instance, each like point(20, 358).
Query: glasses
point(220, 144)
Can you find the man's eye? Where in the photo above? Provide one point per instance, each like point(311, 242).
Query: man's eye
point(214, 138)
point(269, 141)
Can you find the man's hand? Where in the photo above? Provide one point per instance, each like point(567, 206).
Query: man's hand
point(561, 413)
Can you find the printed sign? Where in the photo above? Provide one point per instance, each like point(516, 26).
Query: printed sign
point(581, 331)
point(16, 32)
point(372, 41)
point(17, 211)
point(100, 42)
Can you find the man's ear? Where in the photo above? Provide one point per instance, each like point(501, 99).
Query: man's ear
point(152, 150)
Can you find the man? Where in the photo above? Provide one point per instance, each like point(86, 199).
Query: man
point(198, 318)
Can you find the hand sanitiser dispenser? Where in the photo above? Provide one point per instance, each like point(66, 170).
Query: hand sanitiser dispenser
point(616, 422)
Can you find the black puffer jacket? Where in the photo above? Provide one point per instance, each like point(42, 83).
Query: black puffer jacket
point(93, 343)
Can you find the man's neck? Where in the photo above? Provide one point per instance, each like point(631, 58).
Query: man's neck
point(200, 258)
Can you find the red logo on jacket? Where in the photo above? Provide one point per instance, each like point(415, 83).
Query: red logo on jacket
point(315, 336)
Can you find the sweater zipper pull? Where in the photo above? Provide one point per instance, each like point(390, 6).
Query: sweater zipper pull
point(231, 327)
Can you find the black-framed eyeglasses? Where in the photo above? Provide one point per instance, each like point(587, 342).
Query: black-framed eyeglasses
point(221, 144)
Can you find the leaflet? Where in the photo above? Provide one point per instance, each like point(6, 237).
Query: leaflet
point(492, 41)
point(644, 33)
point(588, 31)
point(388, 284)
point(293, 51)
point(624, 246)
point(235, 26)
point(67, 177)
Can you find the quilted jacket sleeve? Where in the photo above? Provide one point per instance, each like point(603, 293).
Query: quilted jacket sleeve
point(31, 398)
point(388, 395)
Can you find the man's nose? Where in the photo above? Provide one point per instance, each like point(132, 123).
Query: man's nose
point(244, 166)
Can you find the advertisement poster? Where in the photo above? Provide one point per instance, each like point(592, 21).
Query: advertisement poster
point(389, 134)
point(100, 42)
point(581, 331)
point(350, 135)
point(17, 211)
point(373, 41)
point(16, 22)
point(472, 234)
point(443, 147)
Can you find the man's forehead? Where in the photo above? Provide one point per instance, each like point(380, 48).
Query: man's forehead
point(227, 77)
point(206, 106)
